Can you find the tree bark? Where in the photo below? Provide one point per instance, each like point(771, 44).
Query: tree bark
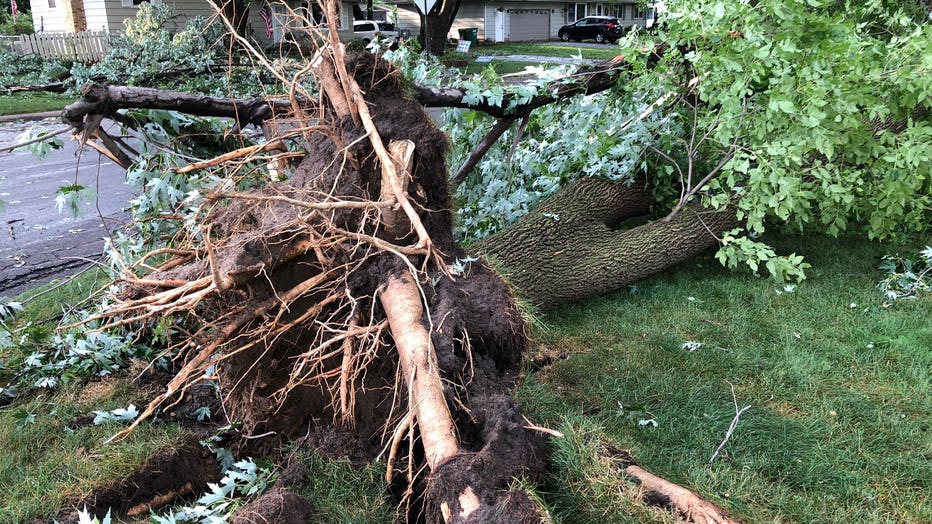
point(436, 24)
point(568, 249)
point(107, 99)
point(236, 11)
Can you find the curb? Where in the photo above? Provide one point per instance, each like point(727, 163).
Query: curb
point(30, 116)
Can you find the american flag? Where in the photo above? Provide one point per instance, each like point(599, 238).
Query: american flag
point(14, 8)
point(266, 13)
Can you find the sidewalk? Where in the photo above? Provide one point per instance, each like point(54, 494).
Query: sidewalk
point(30, 116)
point(537, 59)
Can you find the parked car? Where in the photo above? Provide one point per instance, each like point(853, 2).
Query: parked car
point(598, 28)
point(369, 30)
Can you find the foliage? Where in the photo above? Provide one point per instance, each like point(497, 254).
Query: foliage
point(905, 278)
point(41, 149)
point(194, 59)
point(35, 357)
point(127, 414)
point(22, 25)
point(85, 517)
point(561, 143)
point(29, 69)
point(827, 102)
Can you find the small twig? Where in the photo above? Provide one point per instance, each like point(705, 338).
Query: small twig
point(266, 434)
point(731, 429)
point(534, 427)
point(42, 138)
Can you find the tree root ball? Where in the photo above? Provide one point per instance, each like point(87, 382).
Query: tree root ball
point(303, 348)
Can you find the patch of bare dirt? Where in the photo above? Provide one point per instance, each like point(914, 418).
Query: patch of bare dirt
point(167, 476)
point(277, 506)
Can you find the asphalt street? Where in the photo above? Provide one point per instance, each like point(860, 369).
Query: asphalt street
point(37, 242)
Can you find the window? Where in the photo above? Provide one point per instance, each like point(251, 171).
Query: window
point(617, 11)
point(134, 3)
point(576, 12)
point(639, 13)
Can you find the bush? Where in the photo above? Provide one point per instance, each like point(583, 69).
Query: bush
point(22, 25)
point(29, 70)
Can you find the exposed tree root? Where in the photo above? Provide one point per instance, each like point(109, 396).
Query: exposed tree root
point(296, 293)
point(687, 503)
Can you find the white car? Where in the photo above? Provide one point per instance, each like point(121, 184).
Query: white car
point(369, 30)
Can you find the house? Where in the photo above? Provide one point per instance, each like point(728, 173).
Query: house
point(71, 16)
point(527, 20)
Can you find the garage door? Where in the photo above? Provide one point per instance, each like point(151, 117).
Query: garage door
point(529, 24)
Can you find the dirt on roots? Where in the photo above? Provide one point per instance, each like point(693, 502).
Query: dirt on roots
point(273, 387)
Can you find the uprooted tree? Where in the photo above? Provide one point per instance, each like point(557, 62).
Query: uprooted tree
point(340, 293)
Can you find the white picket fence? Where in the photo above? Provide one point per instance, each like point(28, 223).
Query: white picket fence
point(86, 46)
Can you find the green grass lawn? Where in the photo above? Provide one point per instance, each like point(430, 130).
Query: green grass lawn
point(527, 48)
point(503, 67)
point(21, 103)
point(839, 388)
point(45, 464)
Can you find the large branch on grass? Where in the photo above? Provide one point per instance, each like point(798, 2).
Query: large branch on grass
point(107, 99)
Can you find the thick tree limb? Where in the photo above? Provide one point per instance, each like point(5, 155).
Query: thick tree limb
point(589, 80)
point(569, 248)
point(105, 100)
point(501, 125)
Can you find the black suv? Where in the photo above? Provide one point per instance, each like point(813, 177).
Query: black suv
point(598, 28)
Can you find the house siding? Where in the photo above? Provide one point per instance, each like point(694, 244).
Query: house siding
point(469, 15)
point(95, 12)
point(113, 14)
point(49, 19)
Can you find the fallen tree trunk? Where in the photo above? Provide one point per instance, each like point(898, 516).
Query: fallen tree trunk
point(572, 247)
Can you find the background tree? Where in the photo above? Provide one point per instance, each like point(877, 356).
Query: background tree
point(436, 24)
